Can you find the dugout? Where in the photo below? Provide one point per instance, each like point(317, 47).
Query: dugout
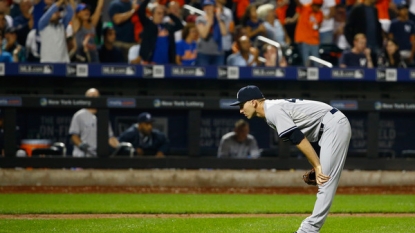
point(381, 112)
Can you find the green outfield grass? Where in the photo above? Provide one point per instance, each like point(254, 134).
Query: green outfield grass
point(202, 203)
point(198, 203)
point(208, 225)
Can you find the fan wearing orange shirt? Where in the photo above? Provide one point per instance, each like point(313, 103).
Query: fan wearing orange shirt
point(383, 14)
point(306, 33)
point(241, 6)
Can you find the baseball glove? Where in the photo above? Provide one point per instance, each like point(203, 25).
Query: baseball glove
point(310, 177)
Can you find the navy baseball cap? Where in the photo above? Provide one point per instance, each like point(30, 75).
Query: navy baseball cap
point(248, 93)
point(145, 117)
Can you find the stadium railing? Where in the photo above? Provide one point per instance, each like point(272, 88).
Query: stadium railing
point(206, 72)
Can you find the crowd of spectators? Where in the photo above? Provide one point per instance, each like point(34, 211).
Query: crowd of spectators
point(353, 33)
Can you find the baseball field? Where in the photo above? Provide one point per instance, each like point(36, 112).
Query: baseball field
point(183, 210)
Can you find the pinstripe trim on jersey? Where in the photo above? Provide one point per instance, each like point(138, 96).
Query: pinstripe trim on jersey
point(287, 131)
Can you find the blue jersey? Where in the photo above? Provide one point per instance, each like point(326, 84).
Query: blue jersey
point(187, 52)
point(161, 51)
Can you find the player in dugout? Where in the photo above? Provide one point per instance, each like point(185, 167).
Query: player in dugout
point(83, 130)
point(238, 143)
point(145, 139)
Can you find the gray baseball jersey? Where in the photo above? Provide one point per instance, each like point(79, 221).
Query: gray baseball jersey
point(84, 124)
point(230, 148)
point(286, 115)
point(310, 117)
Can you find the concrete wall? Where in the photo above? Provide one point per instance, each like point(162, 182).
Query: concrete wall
point(191, 178)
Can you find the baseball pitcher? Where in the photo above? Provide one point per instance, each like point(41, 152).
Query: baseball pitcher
point(301, 122)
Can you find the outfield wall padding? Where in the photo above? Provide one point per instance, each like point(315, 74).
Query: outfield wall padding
point(192, 178)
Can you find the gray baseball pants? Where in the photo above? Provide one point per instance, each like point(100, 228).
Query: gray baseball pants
point(334, 144)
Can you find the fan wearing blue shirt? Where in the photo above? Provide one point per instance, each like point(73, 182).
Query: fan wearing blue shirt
point(402, 30)
point(186, 52)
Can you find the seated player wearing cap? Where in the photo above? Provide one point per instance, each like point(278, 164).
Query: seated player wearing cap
point(145, 139)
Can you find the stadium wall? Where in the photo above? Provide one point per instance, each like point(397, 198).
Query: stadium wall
point(193, 178)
